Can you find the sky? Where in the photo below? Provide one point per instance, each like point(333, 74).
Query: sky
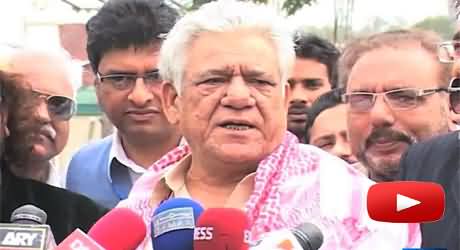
point(410, 11)
point(13, 12)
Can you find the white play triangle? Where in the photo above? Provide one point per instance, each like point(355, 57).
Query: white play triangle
point(404, 202)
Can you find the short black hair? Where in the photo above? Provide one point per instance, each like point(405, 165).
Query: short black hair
point(456, 36)
point(326, 101)
point(121, 24)
point(311, 46)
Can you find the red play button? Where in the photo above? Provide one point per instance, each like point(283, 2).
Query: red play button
point(405, 201)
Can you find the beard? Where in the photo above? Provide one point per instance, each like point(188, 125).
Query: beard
point(383, 168)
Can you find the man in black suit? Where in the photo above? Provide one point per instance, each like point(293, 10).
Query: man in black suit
point(438, 160)
point(66, 210)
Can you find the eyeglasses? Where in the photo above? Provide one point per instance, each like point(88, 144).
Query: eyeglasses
point(128, 81)
point(454, 95)
point(59, 107)
point(401, 99)
point(449, 51)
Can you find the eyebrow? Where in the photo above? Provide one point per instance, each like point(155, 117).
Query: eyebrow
point(255, 73)
point(226, 71)
point(385, 89)
point(324, 137)
point(126, 72)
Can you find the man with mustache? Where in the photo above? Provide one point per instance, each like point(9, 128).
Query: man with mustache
point(314, 73)
point(393, 99)
point(124, 39)
point(66, 211)
point(49, 73)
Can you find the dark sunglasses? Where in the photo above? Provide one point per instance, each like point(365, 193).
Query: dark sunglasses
point(454, 95)
point(59, 107)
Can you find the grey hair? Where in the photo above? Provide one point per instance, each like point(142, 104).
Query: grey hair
point(72, 69)
point(399, 39)
point(222, 16)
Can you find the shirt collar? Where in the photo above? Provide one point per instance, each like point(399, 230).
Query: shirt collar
point(173, 182)
point(117, 151)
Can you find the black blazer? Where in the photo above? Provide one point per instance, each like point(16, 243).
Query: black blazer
point(438, 160)
point(66, 210)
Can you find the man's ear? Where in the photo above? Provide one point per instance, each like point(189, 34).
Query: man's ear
point(4, 122)
point(170, 102)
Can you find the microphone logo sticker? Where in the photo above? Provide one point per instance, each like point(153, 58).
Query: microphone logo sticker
point(203, 233)
point(173, 219)
point(24, 237)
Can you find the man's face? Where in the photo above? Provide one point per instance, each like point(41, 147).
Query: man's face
point(329, 132)
point(233, 106)
point(46, 75)
point(379, 137)
point(136, 112)
point(309, 80)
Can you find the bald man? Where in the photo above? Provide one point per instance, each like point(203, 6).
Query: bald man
point(49, 75)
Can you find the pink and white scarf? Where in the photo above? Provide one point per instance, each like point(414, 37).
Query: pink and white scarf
point(290, 188)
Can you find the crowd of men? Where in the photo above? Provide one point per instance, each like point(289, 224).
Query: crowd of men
point(237, 110)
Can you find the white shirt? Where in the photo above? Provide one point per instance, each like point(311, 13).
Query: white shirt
point(117, 151)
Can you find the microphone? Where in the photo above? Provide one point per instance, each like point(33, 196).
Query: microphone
point(27, 230)
point(173, 224)
point(119, 229)
point(221, 229)
point(304, 237)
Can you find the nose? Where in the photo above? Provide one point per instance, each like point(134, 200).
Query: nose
point(42, 112)
point(342, 149)
point(238, 95)
point(140, 95)
point(380, 114)
point(298, 94)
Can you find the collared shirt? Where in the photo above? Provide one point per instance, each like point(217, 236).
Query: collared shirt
point(296, 183)
point(173, 184)
point(117, 151)
point(56, 175)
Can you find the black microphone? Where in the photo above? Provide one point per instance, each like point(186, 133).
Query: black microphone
point(27, 230)
point(304, 237)
point(309, 236)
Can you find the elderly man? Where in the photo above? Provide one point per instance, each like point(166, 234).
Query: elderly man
point(124, 40)
point(50, 75)
point(393, 99)
point(314, 73)
point(231, 107)
point(66, 211)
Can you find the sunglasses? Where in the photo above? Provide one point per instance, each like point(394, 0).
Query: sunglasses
point(454, 95)
point(59, 107)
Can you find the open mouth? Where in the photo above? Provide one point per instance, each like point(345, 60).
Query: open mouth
point(238, 126)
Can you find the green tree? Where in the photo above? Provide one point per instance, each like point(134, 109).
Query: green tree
point(443, 25)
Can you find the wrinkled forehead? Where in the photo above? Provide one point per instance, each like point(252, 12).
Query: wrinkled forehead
point(44, 73)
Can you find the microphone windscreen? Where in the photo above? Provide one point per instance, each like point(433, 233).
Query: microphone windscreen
point(28, 214)
point(221, 228)
point(119, 229)
point(309, 236)
point(173, 224)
